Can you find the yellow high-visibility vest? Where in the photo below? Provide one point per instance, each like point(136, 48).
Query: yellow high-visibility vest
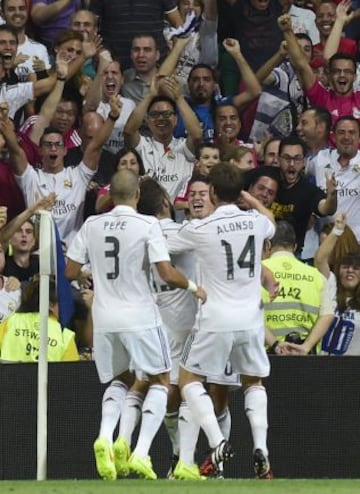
point(19, 339)
point(296, 308)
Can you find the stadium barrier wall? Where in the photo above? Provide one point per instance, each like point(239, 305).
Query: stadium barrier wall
point(314, 415)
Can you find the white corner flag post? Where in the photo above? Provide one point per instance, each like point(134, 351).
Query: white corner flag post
point(45, 258)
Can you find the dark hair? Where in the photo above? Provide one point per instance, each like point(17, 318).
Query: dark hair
point(139, 159)
point(5, 28)
point(226, 180)
point(203, 66)
point(341, 56)
point(152, 196)
point(322, 115)
point(68, 35)
point(160, 98)
point(343, 302)
point(30, 296)
point(351, 118)
point(292, 141)
point(273, 139)
point(307, 37)
point(285, 235)
point(146, 35)
point(198, 177)
point(50, 130)
point(203, 145)
point(252, 176)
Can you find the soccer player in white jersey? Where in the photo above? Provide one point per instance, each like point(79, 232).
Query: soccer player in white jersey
point(127, 326)
point(228, 247)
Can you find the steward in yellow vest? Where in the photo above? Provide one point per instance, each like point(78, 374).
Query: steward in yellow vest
point(304, 307)
point(20, 333)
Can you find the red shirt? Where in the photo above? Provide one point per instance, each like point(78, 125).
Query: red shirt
point(338, 106)
point(10, 193)
point(346, 45)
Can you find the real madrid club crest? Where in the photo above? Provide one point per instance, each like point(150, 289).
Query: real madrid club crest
point(170, 154)
point(67, 183)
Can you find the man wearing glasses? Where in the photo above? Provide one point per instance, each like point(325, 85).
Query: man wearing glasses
point(69, 184)
point(297, 198)
point(341, 98)
point(168, 159)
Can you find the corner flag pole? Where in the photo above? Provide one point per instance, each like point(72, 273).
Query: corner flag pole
point(45, 249)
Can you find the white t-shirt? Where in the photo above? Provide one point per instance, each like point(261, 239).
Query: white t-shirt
point(227, 246)
point(120, 245)
point(171, 167)
point(9, 301)
point(177, 306)
point(116, 140)
point(347, 183)
point(16, 95)
point(70, 187)
point(32, 49)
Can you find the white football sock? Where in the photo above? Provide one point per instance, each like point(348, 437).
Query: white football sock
point(131, 414)
point(256, 410)
point(153, 413)
point(171, 424)
point(112, 404)
point(202, 409)
point(224, 421)
point(188, 434)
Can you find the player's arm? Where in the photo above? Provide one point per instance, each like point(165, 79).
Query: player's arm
point(269, 282)
point(252, 203)
point(173, 277)
point(73, 269)
point(252, 85)
point(297, 57)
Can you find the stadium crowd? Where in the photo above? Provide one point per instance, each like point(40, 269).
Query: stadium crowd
point(201, 162)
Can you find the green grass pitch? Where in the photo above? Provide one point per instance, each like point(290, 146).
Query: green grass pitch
point(278, 486)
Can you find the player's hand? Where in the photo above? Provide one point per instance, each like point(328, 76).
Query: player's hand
point(330, 183)
point(273, 288)
point(115, 106)
point(201, 294)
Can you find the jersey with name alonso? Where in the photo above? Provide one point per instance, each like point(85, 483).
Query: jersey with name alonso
point(227, 246)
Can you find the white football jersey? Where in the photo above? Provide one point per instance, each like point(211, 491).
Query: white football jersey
point(70, 186)
point(227, 246)
point(172, 167)
point(177, 306)
point(120, 245)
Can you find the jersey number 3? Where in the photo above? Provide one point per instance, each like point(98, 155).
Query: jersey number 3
point(113, 254)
